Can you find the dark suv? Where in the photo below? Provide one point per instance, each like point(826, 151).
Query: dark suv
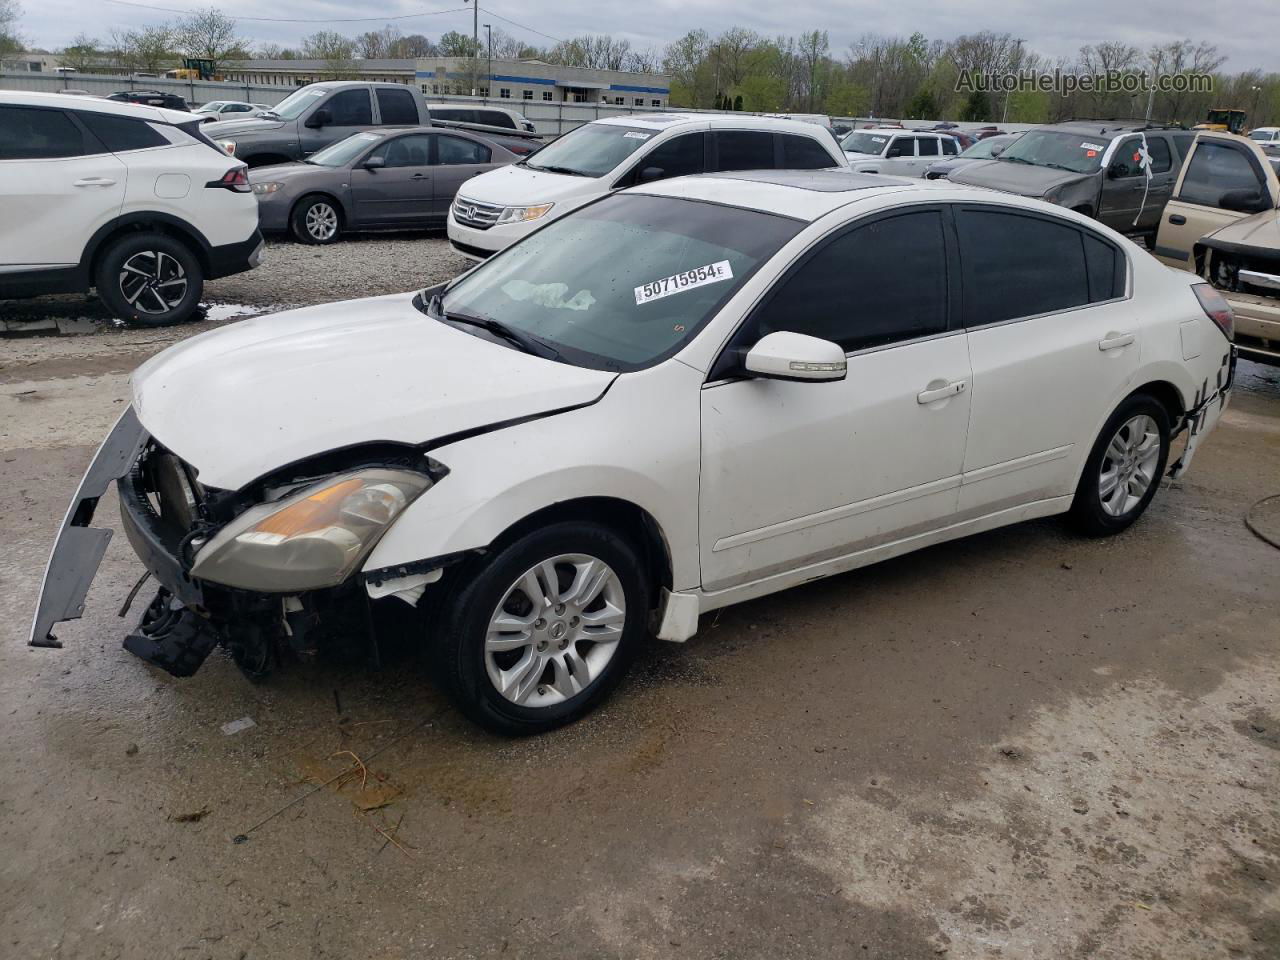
point(1092, 166)
point(152, 98)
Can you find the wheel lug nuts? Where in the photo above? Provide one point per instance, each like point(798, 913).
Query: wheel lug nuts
point(563, 644)
point(573, 621)
point(542, 645)
point(541, 690)
point(539, 624)
point(559, 608)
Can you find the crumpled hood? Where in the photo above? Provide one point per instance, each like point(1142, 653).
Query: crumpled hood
point(1025, 179)
point(257, 395)
point(239, 128)
point(519, 186)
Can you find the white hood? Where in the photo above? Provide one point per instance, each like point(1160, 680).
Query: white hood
point(518, 186)
point(241, 401)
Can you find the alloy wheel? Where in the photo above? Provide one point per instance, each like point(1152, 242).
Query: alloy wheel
point(153, 282)
point(322, 221)
point(1129, 465)
point(555, 630)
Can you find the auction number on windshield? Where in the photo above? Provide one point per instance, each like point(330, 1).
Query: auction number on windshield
point(679, 282)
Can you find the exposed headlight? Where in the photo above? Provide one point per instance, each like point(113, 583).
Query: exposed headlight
point(521, 214)
point(269, 187)
point(228, 145)
point(313, 539)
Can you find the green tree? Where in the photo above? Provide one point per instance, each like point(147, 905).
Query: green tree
point(923, 106)
point(976, 107)
point(10, 42)
point(455, 44)
point(82, 54)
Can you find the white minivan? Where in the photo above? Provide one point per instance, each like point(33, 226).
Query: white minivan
point(498, 208)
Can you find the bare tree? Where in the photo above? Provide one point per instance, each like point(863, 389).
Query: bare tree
point(210, 35)
point(414, 45)
point(377, 44)
point(145, 51)
point(81, 54)
point(10, 41)
point(337, 52)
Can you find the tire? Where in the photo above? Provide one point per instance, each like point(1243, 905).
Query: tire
point(552, 669)
point(1124, 468)
point(151, 279)
point(316, 219)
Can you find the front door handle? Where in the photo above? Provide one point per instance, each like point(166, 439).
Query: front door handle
point(1177, 219)
point(934, 391)
point(419, 176)
point(1113, 341)
point(95, 182)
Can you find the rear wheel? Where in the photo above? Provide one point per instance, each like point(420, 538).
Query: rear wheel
point(1124, 468)
point(543, 631)
point(149, 278)
point(316, 219)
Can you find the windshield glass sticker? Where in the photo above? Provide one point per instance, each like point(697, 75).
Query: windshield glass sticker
point(549, 295)
point(1092, 146)
point(679, 282)
point(636, 135)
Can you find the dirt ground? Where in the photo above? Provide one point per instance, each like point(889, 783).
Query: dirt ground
point(1022, 745)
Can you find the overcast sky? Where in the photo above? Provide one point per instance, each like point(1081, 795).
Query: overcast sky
point(1244, 30)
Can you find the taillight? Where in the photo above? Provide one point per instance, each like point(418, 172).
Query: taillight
point(236, 179)
point(1216, 308)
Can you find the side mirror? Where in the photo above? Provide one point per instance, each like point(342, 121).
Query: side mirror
point(649, 174)
point(1116, 170)
point(796, 356)
point(320, 118)
point(996, 151)
point(1243, 201)
point(376, 162)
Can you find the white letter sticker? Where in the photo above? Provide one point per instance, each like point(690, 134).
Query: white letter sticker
point(679, 282)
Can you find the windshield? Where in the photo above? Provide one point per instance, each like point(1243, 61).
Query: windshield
point(293, 106)
point(344, 151)
point(591, 150)
point(1264, 135)
point(862, 142)
point(982, 150)
point(1076, 152)
point(624, 282)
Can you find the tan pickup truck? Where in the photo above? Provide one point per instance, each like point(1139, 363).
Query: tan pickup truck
point(1223, 223)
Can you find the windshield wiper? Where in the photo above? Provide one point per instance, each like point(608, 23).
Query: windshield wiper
point(554, 169)
point(1014, 159)
point(524, 341)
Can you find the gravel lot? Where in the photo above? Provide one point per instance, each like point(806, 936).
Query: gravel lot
point(1020, 745)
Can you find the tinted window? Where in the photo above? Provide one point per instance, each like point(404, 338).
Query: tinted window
point(496, 118)
point(349, 108)
point(457, 150)
point(397, 106)
point(411, 151)
point(927, 146)
point(1216, 169)
point(902, 147)
point(678, 157)
point(1183, 142)
point(1127, 162)
point(876, 284)
point(1106, 271)
point(744, 150)
point(950, 148)
point(33, 134)
point(1013, 265)
point(804, 153)
point(1161, 160)
point(122, 133)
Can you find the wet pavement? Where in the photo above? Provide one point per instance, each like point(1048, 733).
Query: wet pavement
point(1020, 745)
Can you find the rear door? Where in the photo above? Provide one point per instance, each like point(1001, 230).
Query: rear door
point(456, 160)
point(58, 185)
point(401, 191)
point(1054, 343)
point(743, 150)
point(397, 106)
point(1221, 168)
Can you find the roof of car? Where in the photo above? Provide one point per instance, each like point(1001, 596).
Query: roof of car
point(801, 194)
point(27, 98)
point(738, 121)
point(1106, 128)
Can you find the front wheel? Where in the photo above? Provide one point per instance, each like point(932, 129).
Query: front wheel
point(1124, 468)
point(544, 630)
point(149, 278)
point(316, 220)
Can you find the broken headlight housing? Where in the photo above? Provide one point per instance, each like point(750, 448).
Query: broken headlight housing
point(311, 539)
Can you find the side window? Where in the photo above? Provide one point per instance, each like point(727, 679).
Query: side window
point(496, 118)
point(1183, 142)
point(1014, 265)
point(237, 108)
point(678, 157)
point(928, 146)
point(350, 108)
point(804, 153)
point(1215, 169)
point(451, 150)
point(949, 147)
point(877, 284)
point(744, 150)
point(28, 133)
point(1126, 162)
point(410, 151)
point(119, 134)
point(901, 147)
point(1106, 269)
point(397, 106)
point(1161, 159)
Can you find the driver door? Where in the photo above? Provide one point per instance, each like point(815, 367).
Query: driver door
point(796, 473)
point(899, 157)
point(399, 191)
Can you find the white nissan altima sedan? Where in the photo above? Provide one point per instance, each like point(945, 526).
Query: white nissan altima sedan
point(680, 397)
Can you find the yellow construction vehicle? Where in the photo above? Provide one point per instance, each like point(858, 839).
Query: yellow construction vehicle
point(1224, 121)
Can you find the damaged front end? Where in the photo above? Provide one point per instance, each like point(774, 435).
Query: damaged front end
point(269, 570)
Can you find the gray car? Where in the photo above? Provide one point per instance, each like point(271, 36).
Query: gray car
point(986, 149)
point(395, 178)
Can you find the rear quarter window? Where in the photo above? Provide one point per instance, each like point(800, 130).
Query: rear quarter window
point(121, 134)
point(804, 153)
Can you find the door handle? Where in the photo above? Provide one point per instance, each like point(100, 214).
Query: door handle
point(932, 393)
point(419, 176)
point(1113, 341)
point(1177, 219)
point(94, 182)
